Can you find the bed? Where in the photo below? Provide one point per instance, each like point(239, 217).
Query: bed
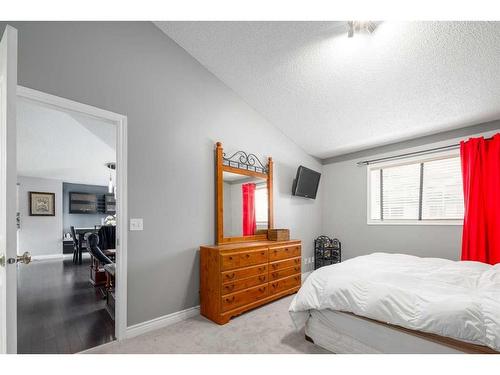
point(396, 303)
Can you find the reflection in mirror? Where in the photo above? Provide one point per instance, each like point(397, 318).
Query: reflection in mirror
point(245, 205)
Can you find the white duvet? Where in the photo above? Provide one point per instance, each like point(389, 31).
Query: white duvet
point(454, 299)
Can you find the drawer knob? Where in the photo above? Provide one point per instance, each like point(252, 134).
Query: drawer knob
point(230, 300)
point(263, 253)
point(230, 276)
point(248, 256)
point(262, 290)
point(262, 278)
point(262, 269)
point(275, 274)
point(286, 249)
point(274, 285)
point(229, 287)
point(275, 266)
point(230, 258)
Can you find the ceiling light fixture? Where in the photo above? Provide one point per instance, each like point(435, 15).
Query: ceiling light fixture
point(360, 26)
point(111, 166)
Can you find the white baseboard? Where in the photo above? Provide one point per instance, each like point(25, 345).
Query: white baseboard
point(162, 321)
point(47, 257)
point(40, 258)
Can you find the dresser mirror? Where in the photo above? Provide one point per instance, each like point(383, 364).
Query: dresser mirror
point(244, 197)
point(245, 201)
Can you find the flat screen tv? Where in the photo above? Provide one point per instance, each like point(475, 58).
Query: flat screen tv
point(306, 183)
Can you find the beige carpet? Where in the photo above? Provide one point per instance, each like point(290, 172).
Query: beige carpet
point(267, 329)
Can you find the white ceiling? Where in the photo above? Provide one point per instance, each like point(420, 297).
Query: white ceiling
point(332, 94)
point(66, 146)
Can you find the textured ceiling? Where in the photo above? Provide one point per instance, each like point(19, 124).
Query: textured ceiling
point(61, 145)
point(332, 94)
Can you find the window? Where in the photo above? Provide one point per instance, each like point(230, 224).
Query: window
point(418, 191)
point(261, 206)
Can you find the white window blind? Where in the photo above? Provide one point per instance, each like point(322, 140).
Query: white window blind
point(400, 192)
point(375, 194)
point(424, 190)
point(442, 190)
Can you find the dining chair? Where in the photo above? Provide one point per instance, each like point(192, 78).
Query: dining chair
point(100, 261)
point(79, 243)
point(76, 245)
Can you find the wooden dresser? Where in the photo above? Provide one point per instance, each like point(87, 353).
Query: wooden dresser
point(241, 276)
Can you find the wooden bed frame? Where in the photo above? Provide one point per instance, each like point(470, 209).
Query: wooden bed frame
point(446, 341)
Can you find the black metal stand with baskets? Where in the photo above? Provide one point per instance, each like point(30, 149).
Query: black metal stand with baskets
point(326, 251)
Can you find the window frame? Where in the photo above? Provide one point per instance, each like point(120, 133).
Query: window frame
point(400, 162)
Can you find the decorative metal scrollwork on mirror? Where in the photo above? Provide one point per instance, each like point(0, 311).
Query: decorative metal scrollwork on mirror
point(244, 197)
point(242, 160)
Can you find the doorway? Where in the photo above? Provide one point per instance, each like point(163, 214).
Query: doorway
point(72, 189)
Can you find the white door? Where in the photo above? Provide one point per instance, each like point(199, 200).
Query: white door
point(8, 168)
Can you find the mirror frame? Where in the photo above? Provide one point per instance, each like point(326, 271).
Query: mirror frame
point(220, 167)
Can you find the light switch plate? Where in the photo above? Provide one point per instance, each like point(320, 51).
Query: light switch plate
point(136, 224)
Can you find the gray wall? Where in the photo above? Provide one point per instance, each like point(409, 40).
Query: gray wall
point(233, 210)
point(236, 210)
point(40, 235)
point(345, 198)
point(80, 220)
point(176, 111)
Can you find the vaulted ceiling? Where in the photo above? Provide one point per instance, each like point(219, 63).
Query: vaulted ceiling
point(332, 94)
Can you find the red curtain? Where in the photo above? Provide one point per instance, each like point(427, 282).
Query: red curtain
point(481, 182)
point(249, 222)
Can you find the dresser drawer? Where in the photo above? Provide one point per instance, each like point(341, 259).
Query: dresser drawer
point(234, 300)
point(243, 259)
point(243, 284)
point(284, 284)
point(284, 252)
point(279, 274)
point(243, 273)
point(284, 264)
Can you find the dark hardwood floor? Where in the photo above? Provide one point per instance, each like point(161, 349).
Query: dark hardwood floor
point(58, 310)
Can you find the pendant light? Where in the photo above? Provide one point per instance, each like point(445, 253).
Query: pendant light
point(110, 184)
point(111, 166)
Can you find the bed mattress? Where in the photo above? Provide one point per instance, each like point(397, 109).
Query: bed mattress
point(459, 300)
point(342, 333)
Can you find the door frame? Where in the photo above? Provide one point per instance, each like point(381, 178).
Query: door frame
point(121, 189)
point(8, 292)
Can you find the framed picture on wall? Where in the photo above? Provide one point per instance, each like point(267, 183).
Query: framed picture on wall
point(42, 204)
